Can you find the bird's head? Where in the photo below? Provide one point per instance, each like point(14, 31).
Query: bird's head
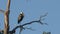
point(21, 12)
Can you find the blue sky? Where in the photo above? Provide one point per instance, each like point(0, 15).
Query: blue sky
point(32, 10)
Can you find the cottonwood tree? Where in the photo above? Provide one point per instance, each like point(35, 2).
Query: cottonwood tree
point(20, 18)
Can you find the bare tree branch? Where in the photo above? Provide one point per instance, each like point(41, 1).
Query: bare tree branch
point(43, 16)
point(2, 11)
point(38, 21)
point(29, 28)
point(6, 21)
point(22, 26)
point(6, 18)
point(1, 31)
point(8, 5)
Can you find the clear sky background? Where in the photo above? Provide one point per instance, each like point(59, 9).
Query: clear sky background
point(32, 10)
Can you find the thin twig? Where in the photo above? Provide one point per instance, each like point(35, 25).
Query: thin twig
point(2, 11)
point(37, 21)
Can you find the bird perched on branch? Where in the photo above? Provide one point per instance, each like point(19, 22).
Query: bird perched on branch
point(20, 17)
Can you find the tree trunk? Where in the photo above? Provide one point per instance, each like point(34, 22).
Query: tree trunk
point(6, 18)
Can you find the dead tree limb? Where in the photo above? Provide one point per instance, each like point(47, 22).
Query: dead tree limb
point(22, 26)
point(6, 21)
point(6, 18)
point(2, 11)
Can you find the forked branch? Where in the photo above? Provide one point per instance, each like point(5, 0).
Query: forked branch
point(6, 18)
point(37, 21)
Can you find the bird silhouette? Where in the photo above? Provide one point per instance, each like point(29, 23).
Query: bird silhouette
point(20, 17)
